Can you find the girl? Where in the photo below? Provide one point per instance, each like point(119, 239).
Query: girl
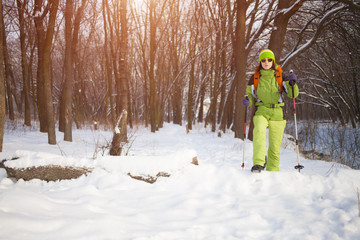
point(264, 89)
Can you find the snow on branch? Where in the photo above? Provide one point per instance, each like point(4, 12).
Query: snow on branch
point(291, 8)
point(322, 23)
point(353, 4)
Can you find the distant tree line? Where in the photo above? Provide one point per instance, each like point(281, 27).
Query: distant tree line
point(69, 62)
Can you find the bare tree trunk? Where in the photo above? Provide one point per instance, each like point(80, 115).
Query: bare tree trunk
point(191, 96)
point(120, 136)
point(222, 83)
point(177, 91)
point(228, 108)
point(45, 65)
point(113, 41)
point(40, 78)
point(2, 79)
point(68, 72)
point(10, 81)
point(251, 127)
point(24, 62)
point(240, 61)
point(215, 87)
point(71, 39)
point(177, 104)
point(153, 122)
point(130, 105)
point(32, 82)
point(190, 104)
point(224, 39)
point(117, 141)
point(9, 106)
point(123, 64)
point(107, 68)
point(146, 93)
point(74, 51)
point(10, 85)
point(202, 93)
point(176, 97)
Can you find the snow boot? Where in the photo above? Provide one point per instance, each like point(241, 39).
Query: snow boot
point(257, 169)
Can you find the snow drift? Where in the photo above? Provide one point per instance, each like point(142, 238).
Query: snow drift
point(214, 200)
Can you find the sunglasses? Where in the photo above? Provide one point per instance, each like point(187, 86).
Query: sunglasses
point(264, 60)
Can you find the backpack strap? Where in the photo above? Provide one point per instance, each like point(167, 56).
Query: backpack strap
point(256, 77)
point(279, 77)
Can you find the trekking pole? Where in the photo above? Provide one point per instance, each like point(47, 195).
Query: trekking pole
point(243, 162)
point(299, 167)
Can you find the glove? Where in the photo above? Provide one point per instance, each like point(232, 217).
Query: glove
point(292, 79)
point(245, 102)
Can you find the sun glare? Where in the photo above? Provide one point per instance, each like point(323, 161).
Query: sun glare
point(138, 2)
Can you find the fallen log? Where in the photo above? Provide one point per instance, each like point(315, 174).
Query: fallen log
point(148, 178)
point(46, 173)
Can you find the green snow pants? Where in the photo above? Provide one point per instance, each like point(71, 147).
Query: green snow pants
point(273, 118)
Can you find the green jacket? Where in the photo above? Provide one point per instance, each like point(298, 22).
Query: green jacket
point(268, 90)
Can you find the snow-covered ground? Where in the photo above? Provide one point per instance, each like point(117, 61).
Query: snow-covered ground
point(215, 200)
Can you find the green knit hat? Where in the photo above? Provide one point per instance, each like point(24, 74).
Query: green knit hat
point(267, 53)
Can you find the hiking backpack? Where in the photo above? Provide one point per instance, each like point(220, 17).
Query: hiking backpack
point(278, 77)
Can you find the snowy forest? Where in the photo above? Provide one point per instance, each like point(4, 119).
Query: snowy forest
point(124, 119)
point(126, 62)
